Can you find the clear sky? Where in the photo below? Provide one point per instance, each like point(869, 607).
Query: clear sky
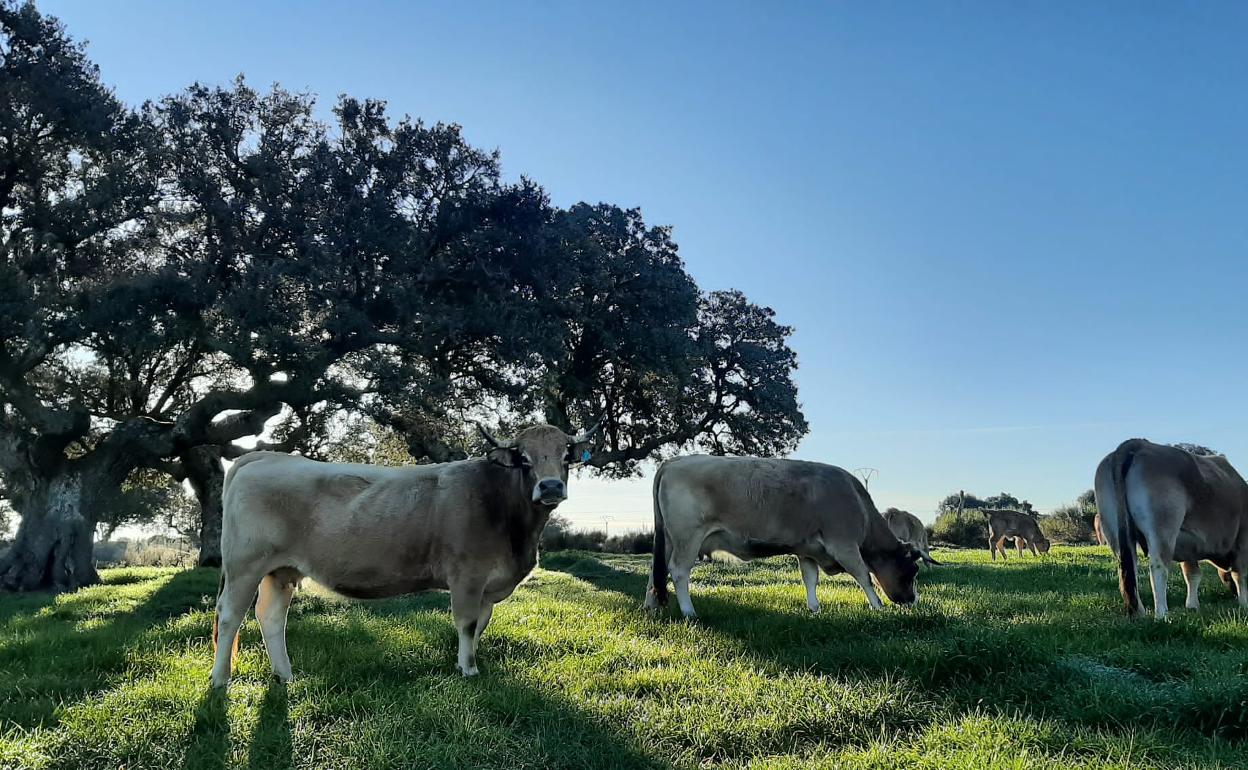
point(1009, 235)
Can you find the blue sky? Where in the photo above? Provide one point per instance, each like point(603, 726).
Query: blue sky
point(1009, 235)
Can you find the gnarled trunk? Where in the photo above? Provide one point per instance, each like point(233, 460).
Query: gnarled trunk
point(204, 471)
point(52, 551)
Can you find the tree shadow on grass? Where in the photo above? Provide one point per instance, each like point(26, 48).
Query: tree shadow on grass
point(1001, 655)
point(56, 651)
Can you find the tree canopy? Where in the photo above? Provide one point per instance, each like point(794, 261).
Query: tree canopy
point(222, 264)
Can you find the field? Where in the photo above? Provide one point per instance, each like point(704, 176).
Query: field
point(1024, 664)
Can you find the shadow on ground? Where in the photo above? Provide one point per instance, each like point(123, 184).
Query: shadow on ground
point(1046, 640)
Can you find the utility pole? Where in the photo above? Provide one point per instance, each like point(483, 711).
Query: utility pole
point(865, 474)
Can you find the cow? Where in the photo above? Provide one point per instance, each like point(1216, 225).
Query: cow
point(908, 529)
point(1016, 526)
point(1178, 507)
point(753, 507)
point(368, 532)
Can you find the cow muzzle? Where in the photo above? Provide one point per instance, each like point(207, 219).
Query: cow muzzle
point(550, 492)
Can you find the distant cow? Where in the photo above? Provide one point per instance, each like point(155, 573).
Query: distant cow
point(908, 529)
point(1013, 525)
point(753, 508)
point(1177, 507)
point(369, 532)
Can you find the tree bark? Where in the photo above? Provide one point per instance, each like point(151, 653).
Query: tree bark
point(53, 548)
point(207, 476)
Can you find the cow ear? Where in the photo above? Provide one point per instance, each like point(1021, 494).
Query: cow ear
point(507, 457)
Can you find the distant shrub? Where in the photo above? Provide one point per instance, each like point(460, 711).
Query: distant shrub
point(968, 528)
point(561, 538)
point(154, 552)
point(630, 542)
point(1070, 524)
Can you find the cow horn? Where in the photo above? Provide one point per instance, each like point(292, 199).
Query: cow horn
point(485, 434)
point(586, 435)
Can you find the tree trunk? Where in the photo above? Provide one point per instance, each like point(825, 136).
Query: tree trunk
point(207, 476)
point(52, 551)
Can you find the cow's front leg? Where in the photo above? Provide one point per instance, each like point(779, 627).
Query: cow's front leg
point(850, 559)
point(810, 576)
point(467, 602)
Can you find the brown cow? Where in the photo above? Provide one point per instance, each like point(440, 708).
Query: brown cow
point(909, 529)
point(369, 532)
point(1015, 525)
point(1178, 507)
point(753, 507)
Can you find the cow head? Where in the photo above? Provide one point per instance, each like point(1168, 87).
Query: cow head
point(543, 453)
point(894, 572)
point(1042, 545)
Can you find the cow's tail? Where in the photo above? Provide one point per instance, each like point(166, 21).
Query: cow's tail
point(1127, 578)
point(658, 566)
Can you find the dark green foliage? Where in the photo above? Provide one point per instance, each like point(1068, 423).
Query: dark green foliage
point(1072, 523)
point(176, 277)
point(966, 528)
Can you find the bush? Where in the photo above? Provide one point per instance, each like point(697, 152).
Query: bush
point(154, 552)
point(1070, 524)
point(560, 538)
point(968, 528)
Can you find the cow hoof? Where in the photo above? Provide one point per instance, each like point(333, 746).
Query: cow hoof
point(284, 679)
point(814, 610)
point(218, 684)
point(473, 671)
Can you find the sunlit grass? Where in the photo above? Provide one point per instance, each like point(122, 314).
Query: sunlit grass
point(1024, 664)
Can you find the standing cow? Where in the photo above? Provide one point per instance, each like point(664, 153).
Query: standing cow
point(1178, 507)
point(909, 529)
point(369, 532)
point(753, 508)
point(1016, 526)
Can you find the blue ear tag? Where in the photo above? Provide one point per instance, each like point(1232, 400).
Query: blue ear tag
point(585, 456)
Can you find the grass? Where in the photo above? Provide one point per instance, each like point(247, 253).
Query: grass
point(1023, 664)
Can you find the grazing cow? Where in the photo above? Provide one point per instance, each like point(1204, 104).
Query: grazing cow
point(1007, 525)
point(908, 529)
point(369, 532)
point(753, 508)
point(1177, 507)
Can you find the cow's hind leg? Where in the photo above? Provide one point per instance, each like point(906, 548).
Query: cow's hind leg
point(272, 604)
point(1239, 574)
point(1018, 546)
point(1191, 573)
point(1001, 548)
point(810, 576)
point(467, 600)
point(232, 606)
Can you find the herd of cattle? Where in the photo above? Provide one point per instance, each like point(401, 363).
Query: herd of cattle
point(472, 527)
